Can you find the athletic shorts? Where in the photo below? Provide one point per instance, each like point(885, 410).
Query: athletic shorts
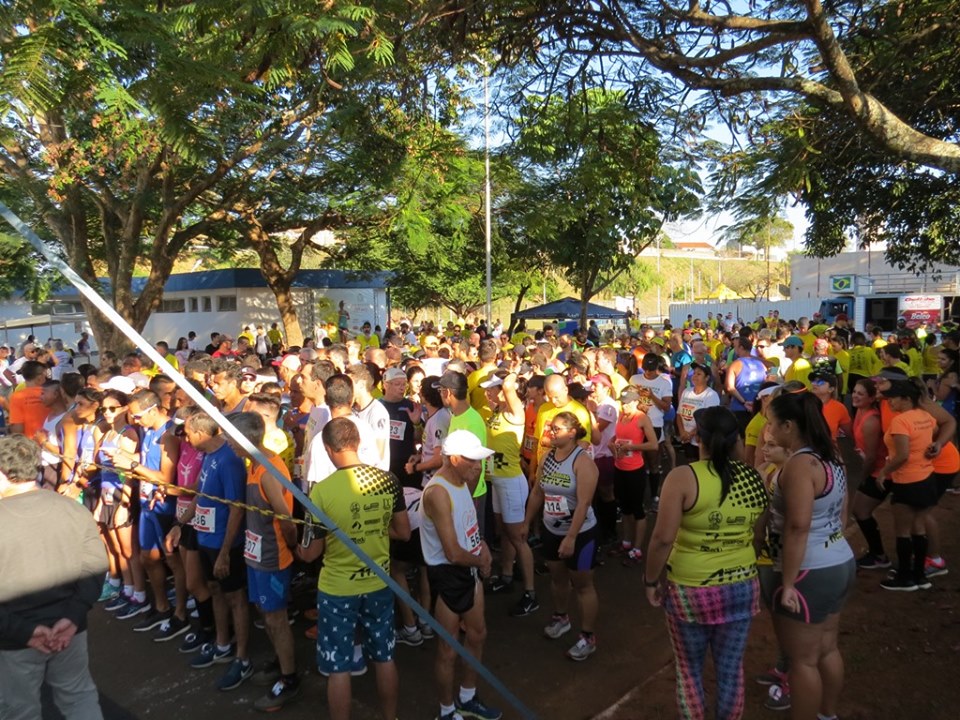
point(339, 615)
point(604, 470)
point(154, 527)
point(510, 497)
point(944, 482)
point(658, 431)
point(237, 578)
point(455, 585)
point(584, 549)
point(188, 537)
point(269, 589)
point(629, 487)
point(408, 551)
point(869, 488)
point(109, 510)
point(917, 495)
point(822, 592)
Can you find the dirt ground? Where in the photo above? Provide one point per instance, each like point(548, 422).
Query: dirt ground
point(901, 652)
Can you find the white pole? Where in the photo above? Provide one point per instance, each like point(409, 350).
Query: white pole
point(486, 193)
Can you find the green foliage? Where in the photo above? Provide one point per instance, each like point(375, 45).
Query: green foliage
point(761, 232)
point(23, 270)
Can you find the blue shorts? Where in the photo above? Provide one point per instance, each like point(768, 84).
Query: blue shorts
point(269, 589)
point(339, 615)
point(154, 527)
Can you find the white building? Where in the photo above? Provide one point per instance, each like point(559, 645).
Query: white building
point(810, 276)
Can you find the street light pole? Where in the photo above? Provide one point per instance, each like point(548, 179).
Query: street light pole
point(486, 184)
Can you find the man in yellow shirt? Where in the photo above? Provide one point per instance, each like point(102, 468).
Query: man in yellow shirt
point(799, 369)
point(488, 364)
point(558, 400)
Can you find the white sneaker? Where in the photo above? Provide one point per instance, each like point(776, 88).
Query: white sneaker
point(559, 625)
point(413, 638)
point(583, 649)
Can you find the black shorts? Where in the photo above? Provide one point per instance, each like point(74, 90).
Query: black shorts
point(944, 482)
point(604, 471)
point(584, 549)
point(917, 495)
point(409, 551)
point(188, 537)
point(629, 487)
point(236, 580)
point(455, 585)
point(869, 488)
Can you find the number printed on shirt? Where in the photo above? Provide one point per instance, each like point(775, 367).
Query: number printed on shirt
point(183, 504)
point(205, 520)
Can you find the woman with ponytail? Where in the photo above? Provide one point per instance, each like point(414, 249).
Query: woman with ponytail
point(708, 527)
point(815, 564)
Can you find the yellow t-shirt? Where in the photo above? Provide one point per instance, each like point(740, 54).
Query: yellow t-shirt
point(914, 362)
point(368, 342)
point(505, 439)
point(843, 357)
point(477, 395)
point(931, 356)
point(547, 412)
point(808, 340)
point(754, 430)
point(799, 370)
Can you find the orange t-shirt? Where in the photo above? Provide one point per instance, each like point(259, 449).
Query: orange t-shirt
point(919, 427)
point(836, 414)
point(27, 409)
point(948, 461)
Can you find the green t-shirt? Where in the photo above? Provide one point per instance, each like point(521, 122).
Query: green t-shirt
point(361, 501)
point(471, 420)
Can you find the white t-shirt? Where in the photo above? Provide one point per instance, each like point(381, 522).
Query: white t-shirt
point(47, 458)
point(607, 410)
point(434, 366)
point(660, 387)
point(318, 465)
point(377, 417)
point(690, 402)
point(318, 417)
point(434, 433)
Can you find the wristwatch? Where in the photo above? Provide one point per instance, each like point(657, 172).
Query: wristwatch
point(134, 465)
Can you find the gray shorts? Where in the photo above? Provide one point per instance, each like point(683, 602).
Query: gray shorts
point(822, 592)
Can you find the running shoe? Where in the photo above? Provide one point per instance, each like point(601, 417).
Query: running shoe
point(559, 626)
point(773, 676)
point(268, 674)
point(869, 561)
point(238, 671)
point(280, 694)
point(583, 648)
point(413, 638)
point(525, 605)
point(210, 654)
point(118, 603)
point(633, 559)
point(475, 708)
point(534, 541)
point(455, 715)
point(108, 592)
point(133, 609)
point(935, 568)
point(923, 583)
point(174, 627)
point(500, 586)
point(899, 583)
point(778, 697)
point(154, 619)
point(193, 641)
point(428, 632)
point(357, 668)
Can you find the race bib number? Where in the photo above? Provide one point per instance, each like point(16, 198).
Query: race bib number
point(205, 520)
point(146, 490)
point(529, 442)
point(182, 505)
point(473, 539)
point(555, 506)
point(253, 546)
point(397, 429)
point(107, 497)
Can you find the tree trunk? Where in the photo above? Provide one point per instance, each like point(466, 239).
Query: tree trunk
point(288, 312)
point(516, 308)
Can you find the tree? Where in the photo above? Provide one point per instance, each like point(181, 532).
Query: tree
point(760, 231)
point(122, 122)
point(598, 190)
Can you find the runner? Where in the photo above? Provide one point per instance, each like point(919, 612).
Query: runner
point(710, 514)
point(435, 430)
point(367, 503)
point(824, 386)
point(700, 395)
point(655, 400)
point(404, 426)
point(744, 377)
point(454, 551)
point(606, 410)
point(868, 442)
point(566, 483)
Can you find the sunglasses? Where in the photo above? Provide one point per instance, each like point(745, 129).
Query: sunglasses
point(139, 415)
point(111, 408)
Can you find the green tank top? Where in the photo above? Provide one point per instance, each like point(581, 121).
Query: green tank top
point(714, 545)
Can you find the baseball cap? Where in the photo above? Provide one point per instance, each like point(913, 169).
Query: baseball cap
point(492, 380)
point(768, 390)
point(629, 395)
point(901, 388)
point(465, 444)
point(452, 380)
point(792, 341)
point(248, 373)
point(600, 379)
point(290, 362)
point(394, 373)
point(120, 383)
point(891, 373)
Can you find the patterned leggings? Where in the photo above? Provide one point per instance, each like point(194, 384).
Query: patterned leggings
point(727, 643)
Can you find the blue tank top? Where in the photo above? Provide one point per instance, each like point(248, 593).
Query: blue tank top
point(109, 478)
point(151, 454)
point(85, 446)
point(752, 374)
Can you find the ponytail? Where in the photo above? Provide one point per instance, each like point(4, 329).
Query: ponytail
point(805, 411)
point(718, 431)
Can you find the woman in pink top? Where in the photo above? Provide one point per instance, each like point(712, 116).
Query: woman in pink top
point(634, 436)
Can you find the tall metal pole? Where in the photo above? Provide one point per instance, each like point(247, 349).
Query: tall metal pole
point(486, 200)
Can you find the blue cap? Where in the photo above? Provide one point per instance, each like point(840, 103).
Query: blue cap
point(792, 341)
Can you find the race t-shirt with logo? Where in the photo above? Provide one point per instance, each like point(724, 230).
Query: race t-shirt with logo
point(222, 475)
point(559, 484)
point(659, 387)
point(361, 501)
point(402, 440)
point(690, 402)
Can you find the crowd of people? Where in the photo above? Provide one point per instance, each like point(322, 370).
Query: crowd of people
point(463, 460)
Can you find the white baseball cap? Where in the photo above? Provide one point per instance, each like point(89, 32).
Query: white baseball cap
point(466, 444)
point(121, 383)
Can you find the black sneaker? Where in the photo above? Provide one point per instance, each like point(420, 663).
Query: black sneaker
point(923, 583)
point(898, 583)
point(268, 674)
point(193, 641)
point(174, 627)
point(282, 692)
point(499, 585)
point(154, 619)
point(525, 605)
point(870, 561)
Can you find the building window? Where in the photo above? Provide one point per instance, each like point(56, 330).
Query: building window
point(207, 306)
point(194, 305)
point(175, 305)
point(226, 303)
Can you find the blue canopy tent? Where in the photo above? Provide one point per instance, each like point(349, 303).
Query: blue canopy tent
point(568, 309)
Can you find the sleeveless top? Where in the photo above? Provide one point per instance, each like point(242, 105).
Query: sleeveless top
point(559, 484)
point(752, 374)
point(188, 473)
point(151, 454)
point(85, 448)
point(714, 545)
point(505, 439)
point(464, 523)
point(628, 428)
point(263, 544)
point(859, 442)
point(109, 478)
point(826, 544)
